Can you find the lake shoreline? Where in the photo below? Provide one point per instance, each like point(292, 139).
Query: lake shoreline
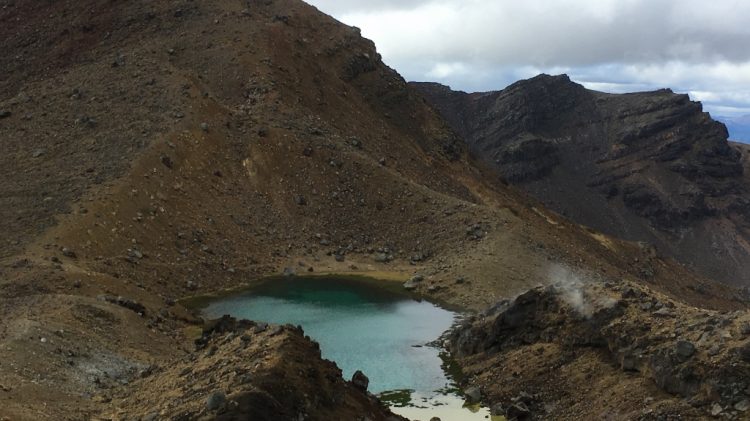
point(364, 293)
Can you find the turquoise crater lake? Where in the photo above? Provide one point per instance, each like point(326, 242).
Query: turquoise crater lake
point(362, 326)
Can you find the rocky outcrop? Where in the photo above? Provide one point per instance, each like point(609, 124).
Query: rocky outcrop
point(698, 355)
point(242, 369)
point(155, 150)
point(649, 166)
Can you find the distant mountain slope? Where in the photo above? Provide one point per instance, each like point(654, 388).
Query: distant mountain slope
point(738, 127)
point(648, 166)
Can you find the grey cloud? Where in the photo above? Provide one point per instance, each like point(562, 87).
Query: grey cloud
point(339, 7)
point(617, 45)
point(569, 33)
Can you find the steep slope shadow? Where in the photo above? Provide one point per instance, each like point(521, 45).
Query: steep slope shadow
point(648, 166)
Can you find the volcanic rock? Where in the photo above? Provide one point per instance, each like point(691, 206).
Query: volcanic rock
point(649, 166)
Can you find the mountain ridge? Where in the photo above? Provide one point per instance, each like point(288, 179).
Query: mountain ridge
point(161, 150)
point(654, 167)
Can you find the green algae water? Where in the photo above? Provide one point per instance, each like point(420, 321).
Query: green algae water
point(361, 326)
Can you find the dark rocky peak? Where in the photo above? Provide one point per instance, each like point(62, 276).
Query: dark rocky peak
point(540, 104)
point(650, 166)
point(546, 88)
point(435, 88)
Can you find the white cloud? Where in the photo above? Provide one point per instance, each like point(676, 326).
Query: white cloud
point(445, 70)
point(691, 46)
point(723, 87)
point(340, 7)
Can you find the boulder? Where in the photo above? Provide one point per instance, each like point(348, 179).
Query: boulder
point(412, 283)
point(742, 405)
point(360, 381)
point(524, 397)
point(684, 350)
point(497, 409)
point(68, 253)
point(167, 161)
point(517, 411)
point(124, 302)
point(473, 394)
point(744, 352)
point(215, 400)
point(664, 312)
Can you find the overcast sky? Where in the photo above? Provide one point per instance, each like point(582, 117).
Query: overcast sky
point(699, 47)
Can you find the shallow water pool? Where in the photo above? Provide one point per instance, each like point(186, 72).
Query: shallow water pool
point(362, 326)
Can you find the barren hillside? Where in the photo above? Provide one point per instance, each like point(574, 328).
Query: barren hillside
point(155, 150)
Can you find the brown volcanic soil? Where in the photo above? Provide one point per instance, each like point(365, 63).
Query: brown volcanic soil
point(161, 149)
point(255, 369)
point(649, 166)
point(636, 353)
